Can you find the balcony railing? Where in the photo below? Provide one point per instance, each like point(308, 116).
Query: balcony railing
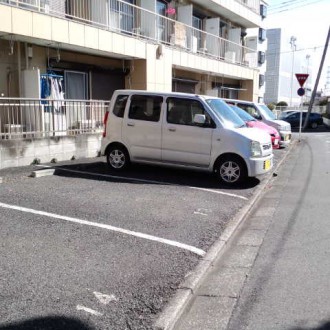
point(127, 19)
point(40, 118)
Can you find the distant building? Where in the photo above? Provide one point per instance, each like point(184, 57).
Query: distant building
point(327, 83)
point(283, 61)
point(256, 39)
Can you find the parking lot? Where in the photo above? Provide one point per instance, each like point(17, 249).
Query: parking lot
point(93, 250)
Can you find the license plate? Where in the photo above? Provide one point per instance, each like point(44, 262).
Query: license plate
point(276, 142)
point(267, 164)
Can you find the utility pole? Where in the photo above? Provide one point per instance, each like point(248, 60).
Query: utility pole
point(317, 79)
point(293, 47)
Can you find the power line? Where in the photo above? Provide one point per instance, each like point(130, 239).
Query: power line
point(299, 6)
point(290, 51)
point(285, 4)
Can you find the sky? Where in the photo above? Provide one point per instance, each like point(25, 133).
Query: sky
point(308, 21)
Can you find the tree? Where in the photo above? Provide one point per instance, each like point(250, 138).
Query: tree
point(271, 106)
point(282, 104)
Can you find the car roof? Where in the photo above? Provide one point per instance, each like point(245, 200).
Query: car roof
point(143, 92)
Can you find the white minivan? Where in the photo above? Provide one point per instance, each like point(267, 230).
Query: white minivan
point(183, 130)
point(261, 112)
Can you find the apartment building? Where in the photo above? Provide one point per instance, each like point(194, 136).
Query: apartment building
point(75, 51)
point(284, 60)
point(256, 39)
point(100, 45)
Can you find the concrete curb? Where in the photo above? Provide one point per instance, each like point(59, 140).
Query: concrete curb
point(41, 173)
point(183, 297)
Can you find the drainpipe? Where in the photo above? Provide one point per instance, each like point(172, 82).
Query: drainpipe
point(19, 68)
point(26, 56)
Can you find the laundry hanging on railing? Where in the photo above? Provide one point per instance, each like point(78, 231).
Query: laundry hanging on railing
point(52, 89)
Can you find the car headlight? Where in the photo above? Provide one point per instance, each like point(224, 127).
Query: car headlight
point(256, 149)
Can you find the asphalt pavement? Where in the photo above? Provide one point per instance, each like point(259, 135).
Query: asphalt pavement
point(86, 249)
point(274, 273)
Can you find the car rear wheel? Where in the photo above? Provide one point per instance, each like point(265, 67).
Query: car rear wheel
point(117, 158)
point(314, 125)
point(231, 170)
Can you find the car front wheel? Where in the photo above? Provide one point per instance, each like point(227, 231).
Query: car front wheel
point(314, 125)
point(117, 158)
point(231, 171)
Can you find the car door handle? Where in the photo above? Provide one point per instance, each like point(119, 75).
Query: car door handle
point(172, 129)
point(130, 124)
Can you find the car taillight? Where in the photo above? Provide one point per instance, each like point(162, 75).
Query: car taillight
point(105, 120)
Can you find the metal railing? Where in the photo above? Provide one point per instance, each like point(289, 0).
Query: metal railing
point(40, 118)
point(124, 18)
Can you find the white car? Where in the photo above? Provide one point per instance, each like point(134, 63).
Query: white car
point(183, 130)
point(261, 112)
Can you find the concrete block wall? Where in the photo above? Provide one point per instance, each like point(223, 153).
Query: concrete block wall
point(15, 153)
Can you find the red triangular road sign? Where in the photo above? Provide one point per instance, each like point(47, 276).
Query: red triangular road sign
point(301, 77)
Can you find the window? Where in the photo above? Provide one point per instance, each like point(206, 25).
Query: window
point(263, 11)
point(261, 57)
point(125, 12)
point(250, 110)
point(183, 111)
point(261, 80)
point(120, 105)
point(262, 34)
point(145, 107)
point(161, 21)
point(197, 23)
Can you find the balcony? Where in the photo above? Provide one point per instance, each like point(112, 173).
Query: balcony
point(129, 20)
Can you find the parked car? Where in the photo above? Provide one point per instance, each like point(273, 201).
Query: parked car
point(251, 122)
point(293, 117)
point(183, 130)
point(261, 112)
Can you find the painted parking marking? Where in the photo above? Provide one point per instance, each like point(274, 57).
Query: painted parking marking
point(104, 299)
point(219, 192)
point(190, 248)
point(150, 181)
point(88, 310)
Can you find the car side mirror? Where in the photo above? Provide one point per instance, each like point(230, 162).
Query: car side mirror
point(199, 119)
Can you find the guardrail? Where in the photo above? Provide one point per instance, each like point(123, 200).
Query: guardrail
point(41, 118)
point(127, 19)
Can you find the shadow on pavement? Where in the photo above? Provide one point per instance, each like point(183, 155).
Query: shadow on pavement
point(146, 174)
point(48, 323)
point(319, 129)
point(325, 326)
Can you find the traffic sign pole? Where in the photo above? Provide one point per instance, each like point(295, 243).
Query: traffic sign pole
point(301, 77)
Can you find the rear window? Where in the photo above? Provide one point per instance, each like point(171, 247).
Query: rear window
point(120, 105)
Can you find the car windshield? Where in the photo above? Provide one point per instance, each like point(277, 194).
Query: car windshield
point(228, 117)
point(242, 114)
point(266, 112)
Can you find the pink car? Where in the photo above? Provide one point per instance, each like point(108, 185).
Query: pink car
point(252, 122)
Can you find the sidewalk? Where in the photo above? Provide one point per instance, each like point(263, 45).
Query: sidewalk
point(208, 296)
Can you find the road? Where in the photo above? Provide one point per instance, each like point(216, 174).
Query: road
point(288, 285)
point(83, 249)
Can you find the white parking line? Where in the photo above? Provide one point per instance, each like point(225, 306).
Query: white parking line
point(149, 181)
point(88, 310)
point(104, 299)
point(108, 227)
point(220, 192)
